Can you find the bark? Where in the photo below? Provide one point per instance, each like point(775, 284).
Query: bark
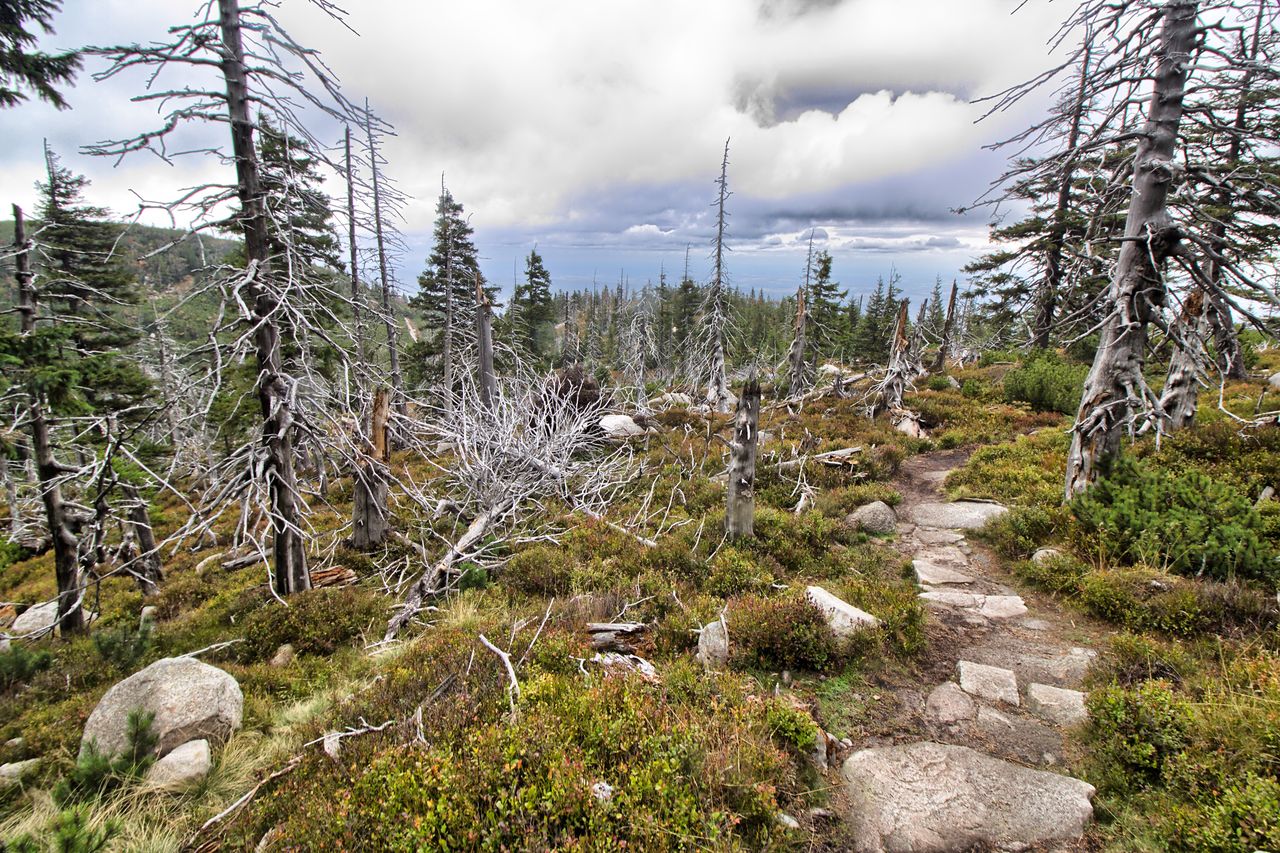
point(370, 520)
point(356, 296)
point(947, 328)
point(796, 358)
point(1047, 303)
point(486, 379)
point(1115, 384)
point(740, 511)
point(899, 373)
point(388, 315)
point(289, 573)
point(61, 527)
point(1182, 385)
point(147, 567)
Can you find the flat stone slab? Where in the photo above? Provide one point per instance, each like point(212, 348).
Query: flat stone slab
point(844, 619)
point(989, 682)
point(935, 798)
point(934, 536)
point(1056, 705)
point(948, 555)
point(948, 704)
point(989, 606)
point(930, 573)
point(960, 515)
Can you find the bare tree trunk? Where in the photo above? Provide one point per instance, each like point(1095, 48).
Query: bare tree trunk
point(61, 527)
point(796, 358)
point(357, 297)
point(740, 510)
point(1115, 384)
point(388, 315)
point(1182, 385)
point(486, 379)
point(16, 526)
point(290, 570)
point(718, 396)
point(370, 520)
point(947, 328)
point(899, 373)
point(1047, 303)
point(148, 571)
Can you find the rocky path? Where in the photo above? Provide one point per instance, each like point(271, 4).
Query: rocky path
point(970, 760)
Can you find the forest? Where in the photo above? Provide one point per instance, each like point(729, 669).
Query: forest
point(298, 557)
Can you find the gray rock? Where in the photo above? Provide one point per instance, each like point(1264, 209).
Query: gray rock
point(876, 517)
point(1274, 382)
point(713, 646)
point(987, 606)
point(185, 766)
point(960, 515)
point(988, 682)
point(786, 821)
point(15, 771)
point(620, 426)
point(283, 656)
point(149, 615)
point(930, 573)
point(818, 755)
point(843, 618)
point(1063, 707)
point(929, 797)
point(948, 704)
point(36, 621)
point(1046, 555)
point(670, 399)
point(934, 536)
point(953, 383)
point(948, 555)
point(15, 743)
point(190, 700)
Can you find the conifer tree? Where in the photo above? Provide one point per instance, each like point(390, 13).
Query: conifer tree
point(825, 310)
point(23, 70)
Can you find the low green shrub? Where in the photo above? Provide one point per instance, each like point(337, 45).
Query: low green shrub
point(1134, 732)
point(20, 662)
point(315, 622)
point(781, 633)
point(1186, 523)
point(1046, 382)
point(1245, 817)
point(734, 571)
point(96, 773)
point(791, 726)
point(69, 833)
point(124, 646)
point(539, 570)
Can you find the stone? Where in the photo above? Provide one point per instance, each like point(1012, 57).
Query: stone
point(948, 704)
point(786, 821)
point(843, 618)
point(960, 515)
point(620, 426)
point(929, 797)
point(1046, 555)
point(934, 536)
point(15, 743)
point(1056, 705)
point(1274, 382)
point(818, 755)
point(283, 656)
point(183, 767)
point(713, 646)
point(332, 745)
point(149, 615)
point(36, 621)
point(953, 383)
point(876, 517)
point(988, 682)
point(948, 555)
point(930, 573)
point(988, 606)
point(190, 700)
point(15, 771)
point(670, 399)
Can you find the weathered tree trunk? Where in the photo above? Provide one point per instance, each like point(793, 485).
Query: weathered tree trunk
point(740, 510)
point(289, 573)
point(947, 328)
point(370, 520)
point(357, 296)
point(388, 314)
point(718, 396)
point(1115, 382)
point(796, 358)
point(147, 568)
point(899, 373)
point(61, 527)
point(1047, 303)
point(1182, 384)
point(16, 524)
point(486, 379)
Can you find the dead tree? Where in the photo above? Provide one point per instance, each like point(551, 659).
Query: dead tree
point(357, 292)
point(887, 394)
point(715, 305)
point(388, 312)
point(1115, 385)
point(1181, 390)
point(944, 345)
point(370, 521)
point(486, 379)
point(740, 507)
point(145, 563)
point(63, 529)
point(796, 359)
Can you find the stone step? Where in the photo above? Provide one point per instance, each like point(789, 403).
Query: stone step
point(959, 515)
point(977, 604)
point(988, 682)
point(930, 573)
point(1056, 705)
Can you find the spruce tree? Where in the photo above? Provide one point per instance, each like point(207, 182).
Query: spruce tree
point(869, 343)
point(533, 311)
point(23, 70)
point(300, 218)
point(825, 309)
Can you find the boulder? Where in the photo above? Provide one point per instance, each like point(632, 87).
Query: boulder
point(190, 700)
point(185, 766)
point(670, 400)
point(988, 682)
point(934, 536)
point(149, 615)
point(713, 646)
point(1274, 382)
point(876, 517)
point(929, 798)
point(620, 426)
point(948, 704)
point(283, 656)
point(15, 771)
point(36, 621)
point(959, 515)
point(1046, 555)
point(843, 618)
point(1056, 705)
point(930, 573)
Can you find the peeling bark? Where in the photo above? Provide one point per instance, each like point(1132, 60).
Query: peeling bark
point(740, 511)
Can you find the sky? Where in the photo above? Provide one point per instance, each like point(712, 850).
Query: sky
point(594, 129)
